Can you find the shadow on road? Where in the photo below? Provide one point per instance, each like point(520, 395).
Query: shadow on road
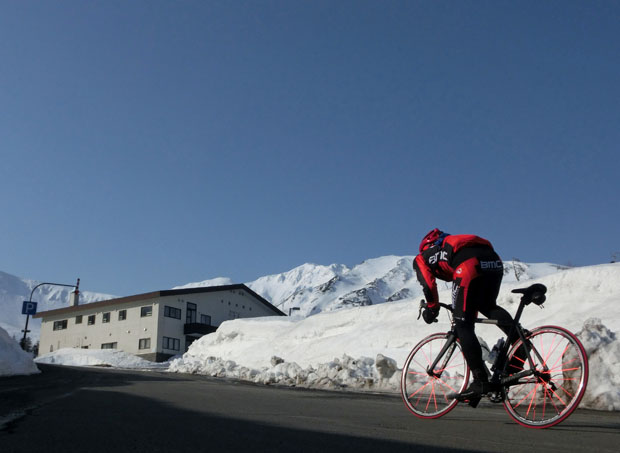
point(108, 420)
point(21, 393)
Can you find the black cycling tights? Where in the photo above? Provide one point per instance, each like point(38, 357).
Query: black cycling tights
point(469, 341)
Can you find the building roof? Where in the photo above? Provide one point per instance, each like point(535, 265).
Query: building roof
point(161, 293)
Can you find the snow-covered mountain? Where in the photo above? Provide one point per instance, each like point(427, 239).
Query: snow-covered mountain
point(314, 288)
point(311, 288)
point(14, 290)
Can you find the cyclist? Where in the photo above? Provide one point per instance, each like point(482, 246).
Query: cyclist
point(476, 272)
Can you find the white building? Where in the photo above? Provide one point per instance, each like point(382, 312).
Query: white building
point(154, 325)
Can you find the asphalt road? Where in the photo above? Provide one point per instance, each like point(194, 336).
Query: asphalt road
point(68, 409)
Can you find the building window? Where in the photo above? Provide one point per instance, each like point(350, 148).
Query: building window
point(172, 312)
point(91, 320)
point(78, 319)
point(60, 325)
point(205, 319)
point(106, 317)
point(122, 315)
point(172, 343)
point(146, 311)
point(191, 313)
point(144, 343)
point(109, 345)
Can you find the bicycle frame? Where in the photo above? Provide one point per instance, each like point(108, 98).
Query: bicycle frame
point(497, 367)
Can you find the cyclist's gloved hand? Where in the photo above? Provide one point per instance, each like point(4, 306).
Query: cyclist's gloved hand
point(430, 314)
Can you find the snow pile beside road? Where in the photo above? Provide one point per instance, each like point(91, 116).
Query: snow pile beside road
point(603, 349)
point(97, 357)
point(373, 342)
point(340, 373)
point(382, 374)
point(13, 360)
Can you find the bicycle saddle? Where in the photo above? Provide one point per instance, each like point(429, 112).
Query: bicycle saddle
point(534, 293)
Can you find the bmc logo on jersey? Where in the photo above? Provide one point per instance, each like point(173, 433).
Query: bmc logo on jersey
point(491, 264)
point(439, 256)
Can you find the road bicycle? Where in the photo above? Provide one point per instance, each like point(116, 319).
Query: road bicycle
point(540, 379)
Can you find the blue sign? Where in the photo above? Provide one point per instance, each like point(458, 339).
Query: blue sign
point(29, 308)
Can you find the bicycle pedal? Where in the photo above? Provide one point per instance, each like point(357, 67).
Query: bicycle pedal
point(496, 397)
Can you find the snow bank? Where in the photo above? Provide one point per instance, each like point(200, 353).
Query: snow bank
point(372, 343)
point(382, 374)
point(339, 373)
point(13, 360)
point(603, 351)
point(97, 357)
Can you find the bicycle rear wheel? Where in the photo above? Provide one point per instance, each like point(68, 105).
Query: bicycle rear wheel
point(424, 392)
point(559, 381)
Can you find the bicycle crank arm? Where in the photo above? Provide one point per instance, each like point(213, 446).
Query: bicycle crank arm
point(515, 377)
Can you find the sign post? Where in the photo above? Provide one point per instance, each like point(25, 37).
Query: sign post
point(30, 308)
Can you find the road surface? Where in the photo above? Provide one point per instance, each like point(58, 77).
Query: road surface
point(66, 409)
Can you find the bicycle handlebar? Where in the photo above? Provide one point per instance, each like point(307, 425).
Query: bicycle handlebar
point(424, 304)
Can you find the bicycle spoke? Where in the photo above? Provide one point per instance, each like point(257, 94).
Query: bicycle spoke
point(558, 397)
point(560, 358)
point(422, 365)
point(557, 411)
point(419, 390)
point(569, 394)
point(523, 399)
point(417, 373)
point(552, 349)
point(447, 385)
point(533, 392)
point(424, 391)
point(558, 382)
point(431, 396)
point(445, 394)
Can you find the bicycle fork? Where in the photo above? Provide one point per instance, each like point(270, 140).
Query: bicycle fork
point(444, 356)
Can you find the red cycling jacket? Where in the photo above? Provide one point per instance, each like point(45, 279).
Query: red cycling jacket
point(440, 261)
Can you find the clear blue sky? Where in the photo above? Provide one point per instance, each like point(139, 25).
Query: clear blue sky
point(149, 144)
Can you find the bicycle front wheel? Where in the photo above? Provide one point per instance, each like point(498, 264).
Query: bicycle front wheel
point(558, 382)
point(425, 391)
